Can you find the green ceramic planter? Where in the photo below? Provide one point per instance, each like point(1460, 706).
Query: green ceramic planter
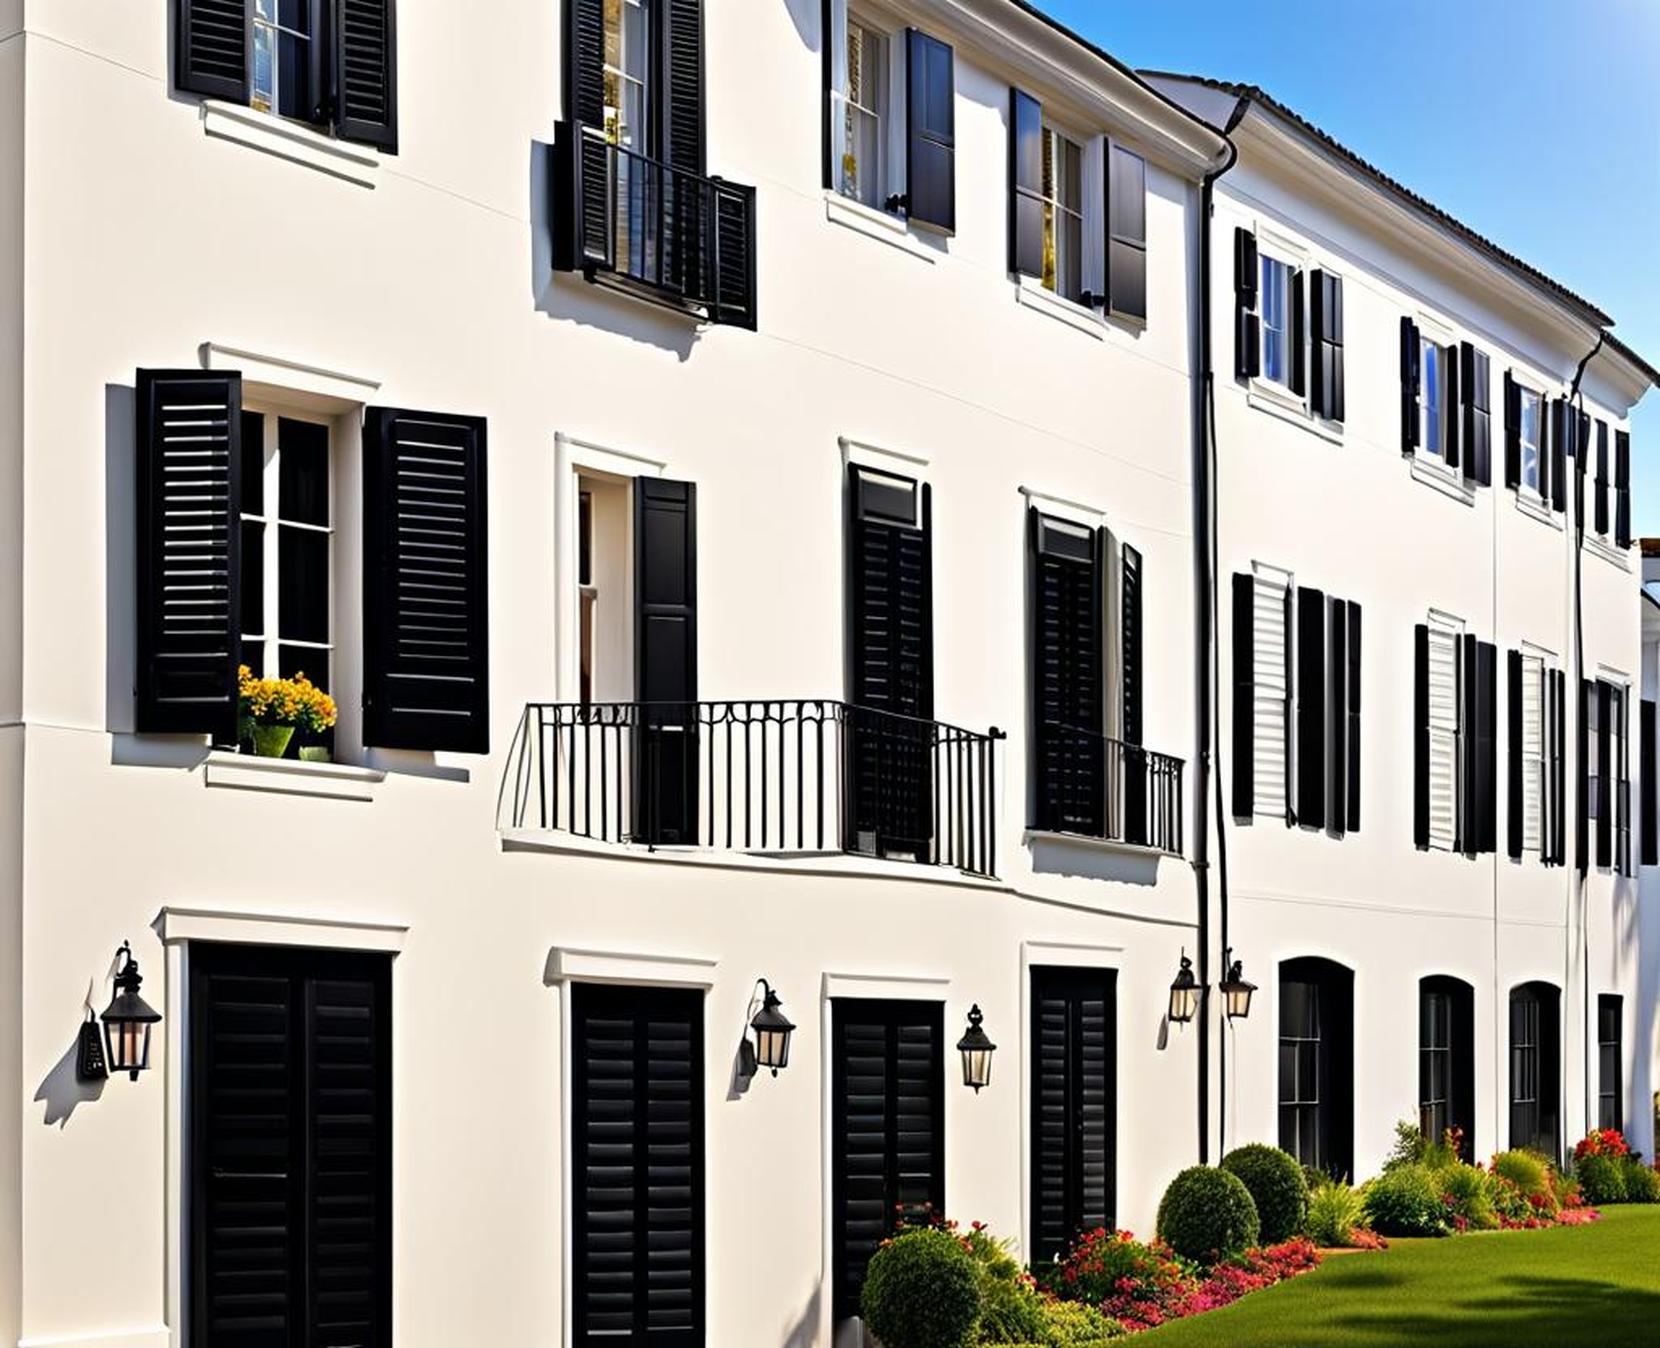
point(271, 741)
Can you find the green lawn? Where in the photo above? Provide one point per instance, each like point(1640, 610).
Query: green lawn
point(1596, 1284)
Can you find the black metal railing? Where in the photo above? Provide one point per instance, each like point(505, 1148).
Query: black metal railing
point(1088, 783)
point(670, 233)
point(768, 775)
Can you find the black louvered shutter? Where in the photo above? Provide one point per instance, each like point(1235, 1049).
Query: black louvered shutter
point(887, 1112)
point(290, 1147)
point(1337, 694)
point(1074, 1103)
point(1311, 708)
point(1296, 365)
point(1600, 483)
point(1512, 431)
point(1244, 693)
point(1582, 763)
point(189, 436)
point(1579, 446)
point(637, 1209)
point(1486, 746)
point(827, 59)
point(1420, 735)
point(1476, 389)
point(587, 237)
point(1452, 422)
point(1622, 489)
point(1247, 361)
point(213, 47)
point(1603, 748)
point(1026, 204)
point(930, 132)
point(1469, 720)
point(682, 125)
point(426, 629)
point(1066, 579)
point(366, 72)
point(1514, 673)
point(665, 660)
point(1289, 760)
point(1352, 616)
point(734, 299)
point(1647, 829)
point(1559, 767)
point(1557, 422)
point(1411, 353)
point(1326, 344)
point(890, 639)
point(1126, 233)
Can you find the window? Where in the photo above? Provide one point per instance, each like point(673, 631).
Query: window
point(1278, 355)
point(587, 596)
point(627, 66)
point(1046, 201)
point(1535, 1068)
point(1063, 215)
point(1608, 773)
point(1074, 1103)
point(1610, 1053)
point(860, 94)
point(1446, 1060)
point(1530, 423)
point(1445, 725)
point(1316, 1067)
point(332, 63)
point(1432, 398)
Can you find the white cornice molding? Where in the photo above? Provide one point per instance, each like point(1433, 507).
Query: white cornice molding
point(175, 924)
point(568, 964)
point(328, 390)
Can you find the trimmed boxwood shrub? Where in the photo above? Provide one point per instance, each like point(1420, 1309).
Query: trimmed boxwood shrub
point(1277, 1187)
point(1642, 1185)
point(1207, 1215)
point(1602, 1179)
point(922, 1290)
point(1406, 1201)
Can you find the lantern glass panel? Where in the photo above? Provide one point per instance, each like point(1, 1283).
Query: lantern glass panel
point(977, 1067)
point(772, 1048)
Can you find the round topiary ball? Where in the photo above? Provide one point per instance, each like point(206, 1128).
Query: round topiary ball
point(922, 1291)
point(1277, 1187)
point(1207, 1215)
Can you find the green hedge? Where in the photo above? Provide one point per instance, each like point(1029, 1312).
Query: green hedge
point(1277, 1187)
point(922, 1290)
point(1208, 1215)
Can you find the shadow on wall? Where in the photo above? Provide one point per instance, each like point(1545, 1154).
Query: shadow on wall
point(120, 556)
point(804, 1332)
point(62, 1090)
point(1088, 860)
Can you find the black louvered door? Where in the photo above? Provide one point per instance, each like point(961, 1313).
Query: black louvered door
point(890, 643)
point(887, 1129)
point(1074, 1097)
point(637, 1194)
point(290, 1148)
point(426, 589)
point(1067, 703)
point(665, 660)
point(189, 495)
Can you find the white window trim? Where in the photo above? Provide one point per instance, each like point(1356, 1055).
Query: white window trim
point(879, 21)
point(1454, 627)
point(291, 140)
point(1033, 294)
point(1527, 496)
point(1432, 469)
point(1294, 256)
point(1601, 547)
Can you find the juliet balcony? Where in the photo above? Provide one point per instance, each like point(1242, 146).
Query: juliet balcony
point(1091, 785)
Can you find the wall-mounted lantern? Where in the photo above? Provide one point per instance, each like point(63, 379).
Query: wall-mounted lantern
point(1236, 990)
point(976, 1049)
point(772, 1032)
point(1184, 993)
point(128, 1018)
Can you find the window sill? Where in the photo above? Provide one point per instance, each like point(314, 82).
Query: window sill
point(289, 140)
point(291, 777)
point(1531, 506)
point(1112, 846)
point(1598, 547)
point(1033, 295)
point(893, 230)
point(1271, 399)
point(1444, 480)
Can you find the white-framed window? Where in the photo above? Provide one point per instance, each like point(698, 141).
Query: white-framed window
point(1277, 278)
point(287, 581)
point(865, 94)
point(1271, 649)
point(603, 599)
point(1433, 360)
point(1063, 214)
point(283, 67)
point(1530, 432)
point(626, 65)
point(1535, 795)
point(1445, 723)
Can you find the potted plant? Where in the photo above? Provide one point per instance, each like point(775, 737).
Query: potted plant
point(271, 710)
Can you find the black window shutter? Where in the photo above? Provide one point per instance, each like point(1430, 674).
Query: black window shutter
point(189, 435)
point(1126, 232)
point(1337, 678)
point(1452, 420)
point(1475, 385)
point(1579, 446)
point(1622, 488)
point(1420, 735)
point(1311, 708)
point(1296, 369)
point(1353, 794)
point(1512, 431)
point(366, 72)
point(1514, 673)
point(1486, 746)
point(1291, 728)
point(1601, 481)
point(1582, 842)
point(584, 78)
point(1410, 357)
point(426, 621)
point(1066, 566)
point(827, 108)
point(1559, 768)
point(1326, 344)
point(638, 1197)
point(1026, 204)
point(930, 132)
point(1647, 830)
point(734, 299)
point(1130, 670)
point(665, 659)
point(1558, 423)
point(1247, 325)
point(887, 1108)
point(1244, 693)
point(1074, 1106)
point(213, 47)
point(682, 108)
point(1604, 751)
point(1469, 720)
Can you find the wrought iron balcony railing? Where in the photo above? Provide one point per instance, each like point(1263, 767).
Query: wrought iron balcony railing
point(663, 232)
point(780, 775)
point(1088, 783)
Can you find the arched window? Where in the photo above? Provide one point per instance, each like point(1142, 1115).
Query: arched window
point(1317, 1063)
point(1535, 1067)
point(1446, 1059)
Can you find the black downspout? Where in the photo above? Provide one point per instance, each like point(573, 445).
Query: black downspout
point(1204, 613)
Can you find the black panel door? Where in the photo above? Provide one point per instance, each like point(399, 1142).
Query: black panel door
point(637, 1195)
point(665, 660)
point(290, 1148)
point(1074, 1106)
point(887, 1128)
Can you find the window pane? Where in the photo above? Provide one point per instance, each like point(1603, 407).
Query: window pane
point(253, 463)
point(303, 472)
point(253, 577)
point(307, 660)
point(303, 585)
point(263, 94)
point(253, 655)
point(1430, 395)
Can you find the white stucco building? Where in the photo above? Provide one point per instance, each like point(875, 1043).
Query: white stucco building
point(748, 552)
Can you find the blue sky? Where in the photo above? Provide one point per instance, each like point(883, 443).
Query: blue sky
point(1537, 124)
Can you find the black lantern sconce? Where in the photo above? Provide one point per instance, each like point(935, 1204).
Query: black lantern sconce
point(1184, 993)
point(772, 1030)
point(128, 1018)
point(976, 1049)
point(1236, 990)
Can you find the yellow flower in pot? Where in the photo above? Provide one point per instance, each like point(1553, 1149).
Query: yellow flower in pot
point(272, 710)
